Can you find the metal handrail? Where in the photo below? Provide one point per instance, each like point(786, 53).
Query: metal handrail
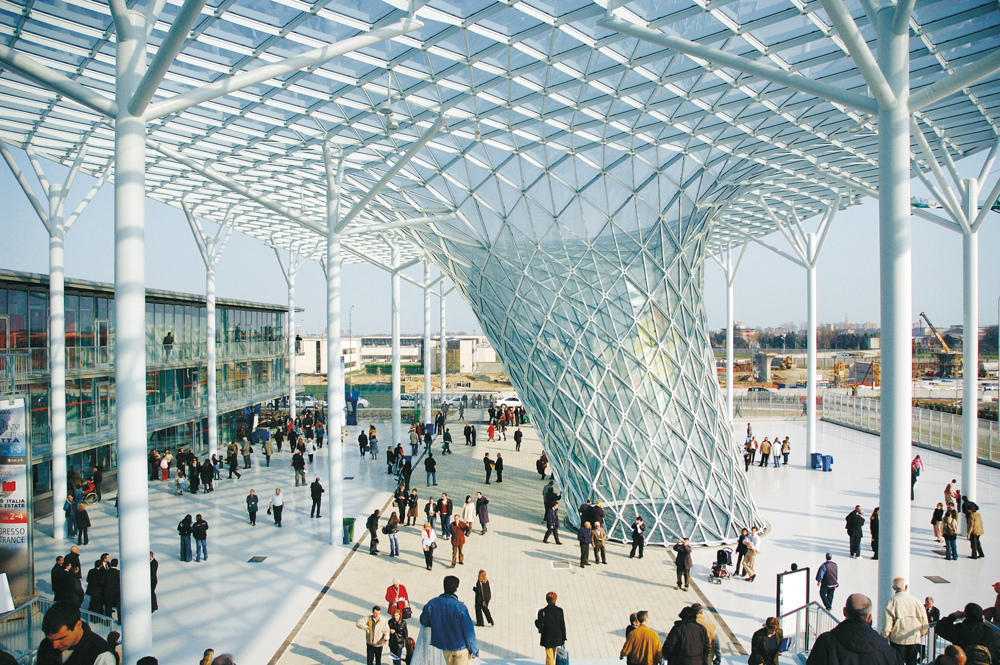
point(804, 625)
point(21, 629)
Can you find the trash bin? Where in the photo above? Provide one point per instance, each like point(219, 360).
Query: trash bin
point(430, 428)
point(815, 460)
point(348, 530)
point(827, 462)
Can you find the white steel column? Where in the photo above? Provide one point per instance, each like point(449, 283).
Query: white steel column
point(812, 250)
point(57, 378)
point(970, 343)
point(427, 344)
point(210, 362)
point(729, 347)
point(334, 348)
point(895, 296)
point(396, 403)
point(211, 249)
point(130, 341)
point(444, 347)
point(290, 277)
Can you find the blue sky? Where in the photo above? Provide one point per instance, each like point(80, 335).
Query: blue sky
point(769, 290)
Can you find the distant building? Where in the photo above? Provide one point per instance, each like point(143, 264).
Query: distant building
point(465, 352)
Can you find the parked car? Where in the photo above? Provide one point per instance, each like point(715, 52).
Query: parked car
point(759, 389)
point(363, 403)
point(509, 402)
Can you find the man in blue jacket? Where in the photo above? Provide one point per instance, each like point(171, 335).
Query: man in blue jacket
point(451, 625)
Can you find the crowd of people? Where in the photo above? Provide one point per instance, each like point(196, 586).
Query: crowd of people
point(772, 451)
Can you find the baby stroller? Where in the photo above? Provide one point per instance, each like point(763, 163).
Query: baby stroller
point(723, 558)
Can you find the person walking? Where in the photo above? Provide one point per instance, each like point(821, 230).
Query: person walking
point(488, 465)
point(316, 490)
point(852, 640)
point(483, 597)
point(826, 579)
point(642, 644)
point(200, 533)
point(904, 623)
point(82, 525)
point(276, 505)
point(518, 435)
point(585, 535)
point(376, 634)
point(451, 625)
point(184, 529)
point(446, 442)
point(459, 530)
point(372, 525)
point(949, 531)
point(398, 634)
point(498, 467)
point(428, 542)
point(482, 512)
point(687, 642)
point(247, 450)
point(855, 530)
point(391, 529)
point(233, 461)
point(252, 505)
point(268, 450)
point(598, 537)
point(750, 560)
point(207, 472)
point(551, 626)
point(468, 510)
point(430, 466)
point(552, 524)
point(975, 521)
point(411, 508)
point(765, 644)
point(430, 511)
point(299, 465)
point(682, 559)
point(638, 536)
point(444, 509)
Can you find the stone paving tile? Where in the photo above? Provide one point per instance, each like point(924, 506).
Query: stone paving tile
point(597, 600)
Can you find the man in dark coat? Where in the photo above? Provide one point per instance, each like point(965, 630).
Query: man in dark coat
point(65, 632)
point(552, 524)
point(498, 467)
point(316, 490)
point(970, 632)
point(551, 627)
point(585, 535)
point(372, 526)
point(56, 570)
point(687, 643)
point(853, 641)
point(113, 590)
point(98, 481)
point(682, 558)
point(154, 567)
point(95, 587)
point(468, 434)
point(62, 583)
point(855, 526)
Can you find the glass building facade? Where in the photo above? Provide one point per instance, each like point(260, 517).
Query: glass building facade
point(251, 367)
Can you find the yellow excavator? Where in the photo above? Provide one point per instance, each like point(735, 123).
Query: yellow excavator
point(944, 344)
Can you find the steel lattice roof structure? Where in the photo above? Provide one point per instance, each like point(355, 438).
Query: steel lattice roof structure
point(509, 78)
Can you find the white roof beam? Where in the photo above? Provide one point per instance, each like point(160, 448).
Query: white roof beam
point(720, 58)
point(952, 83)
point(859, 51)
point(53, 80)
point(313, 58)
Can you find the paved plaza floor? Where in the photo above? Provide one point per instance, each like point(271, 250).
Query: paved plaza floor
point(299, 605)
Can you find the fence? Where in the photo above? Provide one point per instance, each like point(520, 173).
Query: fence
point(803, 625)
point(772, 405)
point(931, 429)
point(21, 630)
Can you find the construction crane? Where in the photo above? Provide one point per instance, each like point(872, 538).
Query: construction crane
point(930, 325)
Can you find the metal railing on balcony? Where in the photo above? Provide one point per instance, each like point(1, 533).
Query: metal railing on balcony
point(931, 429)
point(16, 370)
point(21, 630)
point(772, 405)
point(801, 627)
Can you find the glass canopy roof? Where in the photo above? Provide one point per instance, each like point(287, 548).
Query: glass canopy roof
point(536, 79)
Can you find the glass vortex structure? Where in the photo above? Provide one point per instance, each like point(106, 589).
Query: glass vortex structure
point(591, 292)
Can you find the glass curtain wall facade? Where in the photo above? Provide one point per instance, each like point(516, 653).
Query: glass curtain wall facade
point(251, 367)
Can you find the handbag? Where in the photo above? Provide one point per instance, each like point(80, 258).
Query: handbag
point(407, 612)
point(269, 510)
point(562, 655)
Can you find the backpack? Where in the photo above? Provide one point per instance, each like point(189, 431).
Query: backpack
point(950, 528)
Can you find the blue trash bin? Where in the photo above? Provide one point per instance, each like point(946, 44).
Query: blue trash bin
point(827, 462)
point(430, 428)
point(815, 460)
